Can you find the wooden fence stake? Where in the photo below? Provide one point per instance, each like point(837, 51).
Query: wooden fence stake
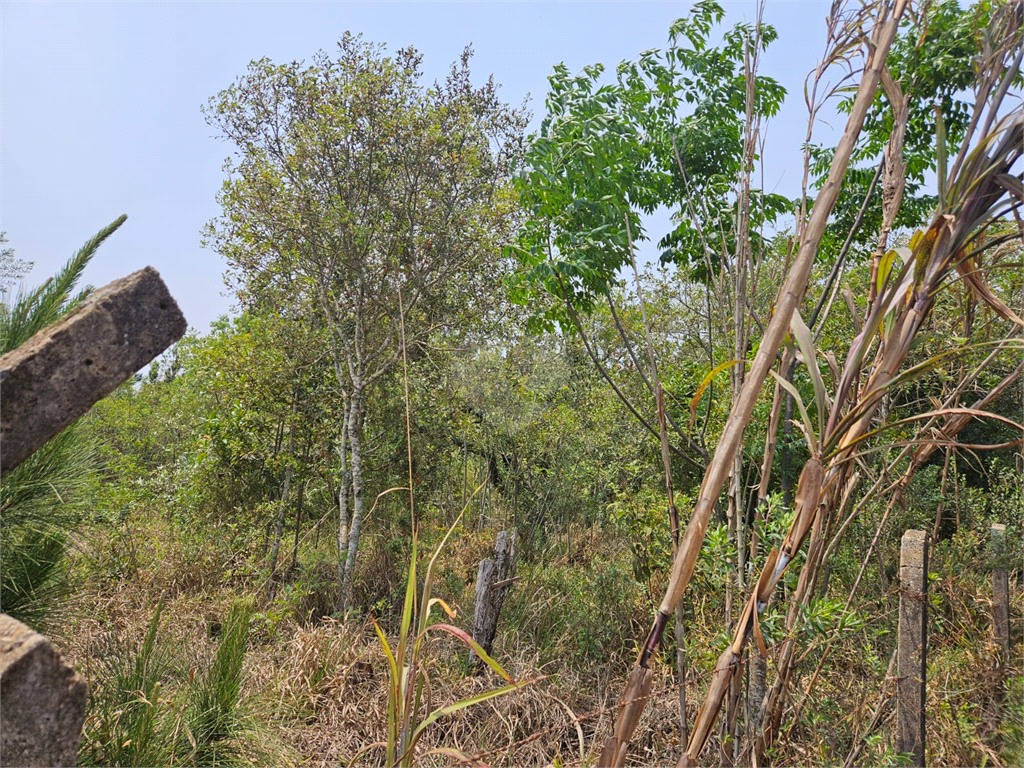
point(493, 582)
point(912, 645)
point(1000, 592)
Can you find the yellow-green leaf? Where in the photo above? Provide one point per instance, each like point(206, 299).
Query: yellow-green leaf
point(704, 385)
point(884, 268)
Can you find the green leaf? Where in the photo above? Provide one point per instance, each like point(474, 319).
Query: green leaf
point(884, 268)
point(806, 343)
point(471, 643)
point(812, 441)
point(394, 700)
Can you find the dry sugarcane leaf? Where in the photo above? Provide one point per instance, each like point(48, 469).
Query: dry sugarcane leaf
point(766, 584)
point(720, 679)
point(739, 637)
point(968, 270)
point(608, 751)
point(808, 490)
point(757, 634)
point(633, 700)
point(749, 618)
point(1011, 184)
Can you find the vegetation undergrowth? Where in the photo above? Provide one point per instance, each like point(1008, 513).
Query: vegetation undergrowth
point(436, 343)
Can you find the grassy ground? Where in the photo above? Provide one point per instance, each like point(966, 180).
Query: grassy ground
point(313, 689)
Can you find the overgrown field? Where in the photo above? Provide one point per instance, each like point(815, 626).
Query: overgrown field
point(313, 689)
point(264, 549)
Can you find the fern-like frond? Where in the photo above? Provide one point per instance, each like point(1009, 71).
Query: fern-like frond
point(33, 311)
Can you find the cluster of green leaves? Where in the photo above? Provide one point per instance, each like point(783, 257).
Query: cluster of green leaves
point(668, 128)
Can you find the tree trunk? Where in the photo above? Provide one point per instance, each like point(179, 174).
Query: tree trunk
point(343, 498)
point(279, 527)
point(356, 451)
point(298, 526)
point(492, 584)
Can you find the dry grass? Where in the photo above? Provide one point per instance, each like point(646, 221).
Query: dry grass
point(321, 687)
point(333, 681)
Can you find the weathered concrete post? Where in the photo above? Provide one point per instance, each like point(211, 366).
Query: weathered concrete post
point(58, 374)
point(1000, 592)
point(47, 383)
point(43, 700)
point(492, 584)
point(912, 645)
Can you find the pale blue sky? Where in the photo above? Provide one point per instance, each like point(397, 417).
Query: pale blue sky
point(100, 104)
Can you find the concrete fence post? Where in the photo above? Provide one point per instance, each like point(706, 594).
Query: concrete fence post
point(912, 646)
point(42, 700)
point(1000, 592)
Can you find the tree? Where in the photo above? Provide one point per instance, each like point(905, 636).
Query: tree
point(377, 199)
point(12, 269)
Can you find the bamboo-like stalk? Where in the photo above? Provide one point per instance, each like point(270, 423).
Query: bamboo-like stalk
point(790, 296)
point(673, 513)
point(905, 305)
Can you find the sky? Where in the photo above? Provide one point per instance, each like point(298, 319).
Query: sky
point(100, 105)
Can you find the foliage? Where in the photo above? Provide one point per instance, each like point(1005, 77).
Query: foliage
point(356, 186)
point(240, 441)
point(147, 710)
point(607, 153)
point(34, 310)
point(127, 719)
point(12, 269)
point(213, 709)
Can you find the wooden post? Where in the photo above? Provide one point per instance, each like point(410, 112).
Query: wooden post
point(912, 645)
point(1000, 593)
point(492, 584)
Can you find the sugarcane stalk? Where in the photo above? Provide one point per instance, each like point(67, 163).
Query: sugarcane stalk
point(790, 296)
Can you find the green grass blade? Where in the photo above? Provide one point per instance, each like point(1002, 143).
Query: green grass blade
point(812, 441)
point(473, 644)
point(806, 343)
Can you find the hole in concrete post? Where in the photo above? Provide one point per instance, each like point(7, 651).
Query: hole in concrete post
point(88, 361)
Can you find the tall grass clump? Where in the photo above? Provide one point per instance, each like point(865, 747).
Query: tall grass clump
point(148, 710)
point(128, 720)
point(214, 716)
